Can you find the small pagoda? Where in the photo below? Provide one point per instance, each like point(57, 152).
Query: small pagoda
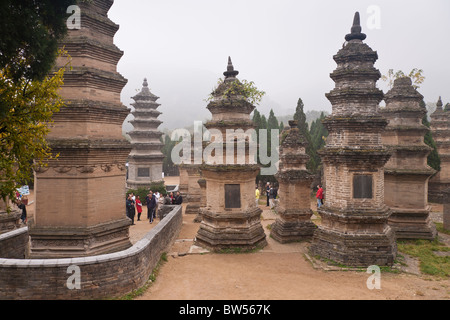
point(231, 218)
point(406, 174)
point(440, 129)
point(145, 162)
point(294, 209)
point(354, 229)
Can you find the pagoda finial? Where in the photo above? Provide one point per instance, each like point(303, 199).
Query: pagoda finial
point(145, 84)
point(230, 73)
point(439, 103)
point(356, 29)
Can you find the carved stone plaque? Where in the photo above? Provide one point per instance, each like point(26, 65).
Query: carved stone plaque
point(362, 186)
point(232, 196)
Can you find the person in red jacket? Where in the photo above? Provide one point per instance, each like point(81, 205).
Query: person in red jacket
point(319, 196)
point(139, 207)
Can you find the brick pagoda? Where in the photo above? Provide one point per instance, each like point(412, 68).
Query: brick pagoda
point(80, 197)
point(231, 218)
point(440, 129)
point(294, 220)
point(145, 162)
point(354, 229)
point(407, 173)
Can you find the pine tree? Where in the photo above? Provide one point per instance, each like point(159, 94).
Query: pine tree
point(302, 125)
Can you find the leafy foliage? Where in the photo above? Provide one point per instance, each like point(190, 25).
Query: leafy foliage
point(28, 107)
point(415, 74)
point(244, 88)
point(30, 31)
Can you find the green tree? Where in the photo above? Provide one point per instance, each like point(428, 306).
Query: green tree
point(25, 125)
point(302, 125)
point(29, 35)
point(30, 31)
point(169, 167)
point(318, 134)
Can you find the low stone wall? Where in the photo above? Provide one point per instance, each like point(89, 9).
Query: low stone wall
point(95, 277)
point(14, 244)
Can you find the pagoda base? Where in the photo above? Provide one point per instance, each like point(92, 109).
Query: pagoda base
point(59, 243)
point(412, 224)
point(357, 239)
point(293, 226)
point(231, 230)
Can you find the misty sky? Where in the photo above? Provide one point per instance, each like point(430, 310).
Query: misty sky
point(285, 46)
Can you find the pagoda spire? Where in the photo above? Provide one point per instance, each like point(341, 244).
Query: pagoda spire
point(356, 29)
point(439, 104)
point(230, 73)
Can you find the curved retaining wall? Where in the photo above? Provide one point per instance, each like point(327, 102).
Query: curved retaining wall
point(96, 277)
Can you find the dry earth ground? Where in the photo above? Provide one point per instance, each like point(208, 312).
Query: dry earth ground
point(277, 272)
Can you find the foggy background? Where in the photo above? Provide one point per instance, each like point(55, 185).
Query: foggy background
point(286, 47)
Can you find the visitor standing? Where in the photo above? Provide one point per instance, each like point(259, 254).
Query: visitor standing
point(178, 198)
point(151, 204)
point(23, 207)
point(138, 208)
point(157, 196)
point(271, 196)
point(257, 195)
point(130, 208)
point(319, 196)
point(267, 193)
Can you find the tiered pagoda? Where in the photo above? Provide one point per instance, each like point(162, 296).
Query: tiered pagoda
point(231, 218)
point(80, 195)
point(440, 129)
point(406, 174)
point(145, 163)
point(354, 229)
point(294, 209)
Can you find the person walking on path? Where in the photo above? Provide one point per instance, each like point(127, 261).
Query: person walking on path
point(257, 194)
point(319, 196)
point(138, 208)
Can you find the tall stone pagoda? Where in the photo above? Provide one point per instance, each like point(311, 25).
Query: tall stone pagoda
point(80, 196)
point(145, 162)
point(406, 174)
point(440, 129)
point(354, 229)
point(294, 220)
point(231, 218)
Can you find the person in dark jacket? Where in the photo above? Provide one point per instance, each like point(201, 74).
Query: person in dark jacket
point(23, 207)
point(130, 208)
point(151, 205)
point(178, 198)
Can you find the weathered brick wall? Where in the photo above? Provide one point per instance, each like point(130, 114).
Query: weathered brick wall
point(14, 244)
point(103, 276)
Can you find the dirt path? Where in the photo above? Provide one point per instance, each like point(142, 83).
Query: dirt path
point(276, 272)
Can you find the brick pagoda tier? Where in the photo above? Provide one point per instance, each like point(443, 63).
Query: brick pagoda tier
point(406, 173)
point(80, 197)
point(354, 229)
point(145, 162)
point(294, 220)
point(231, 218)
point(440, 129)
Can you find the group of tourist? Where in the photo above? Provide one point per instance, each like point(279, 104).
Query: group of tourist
point(272, 192)
point(153, 200)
